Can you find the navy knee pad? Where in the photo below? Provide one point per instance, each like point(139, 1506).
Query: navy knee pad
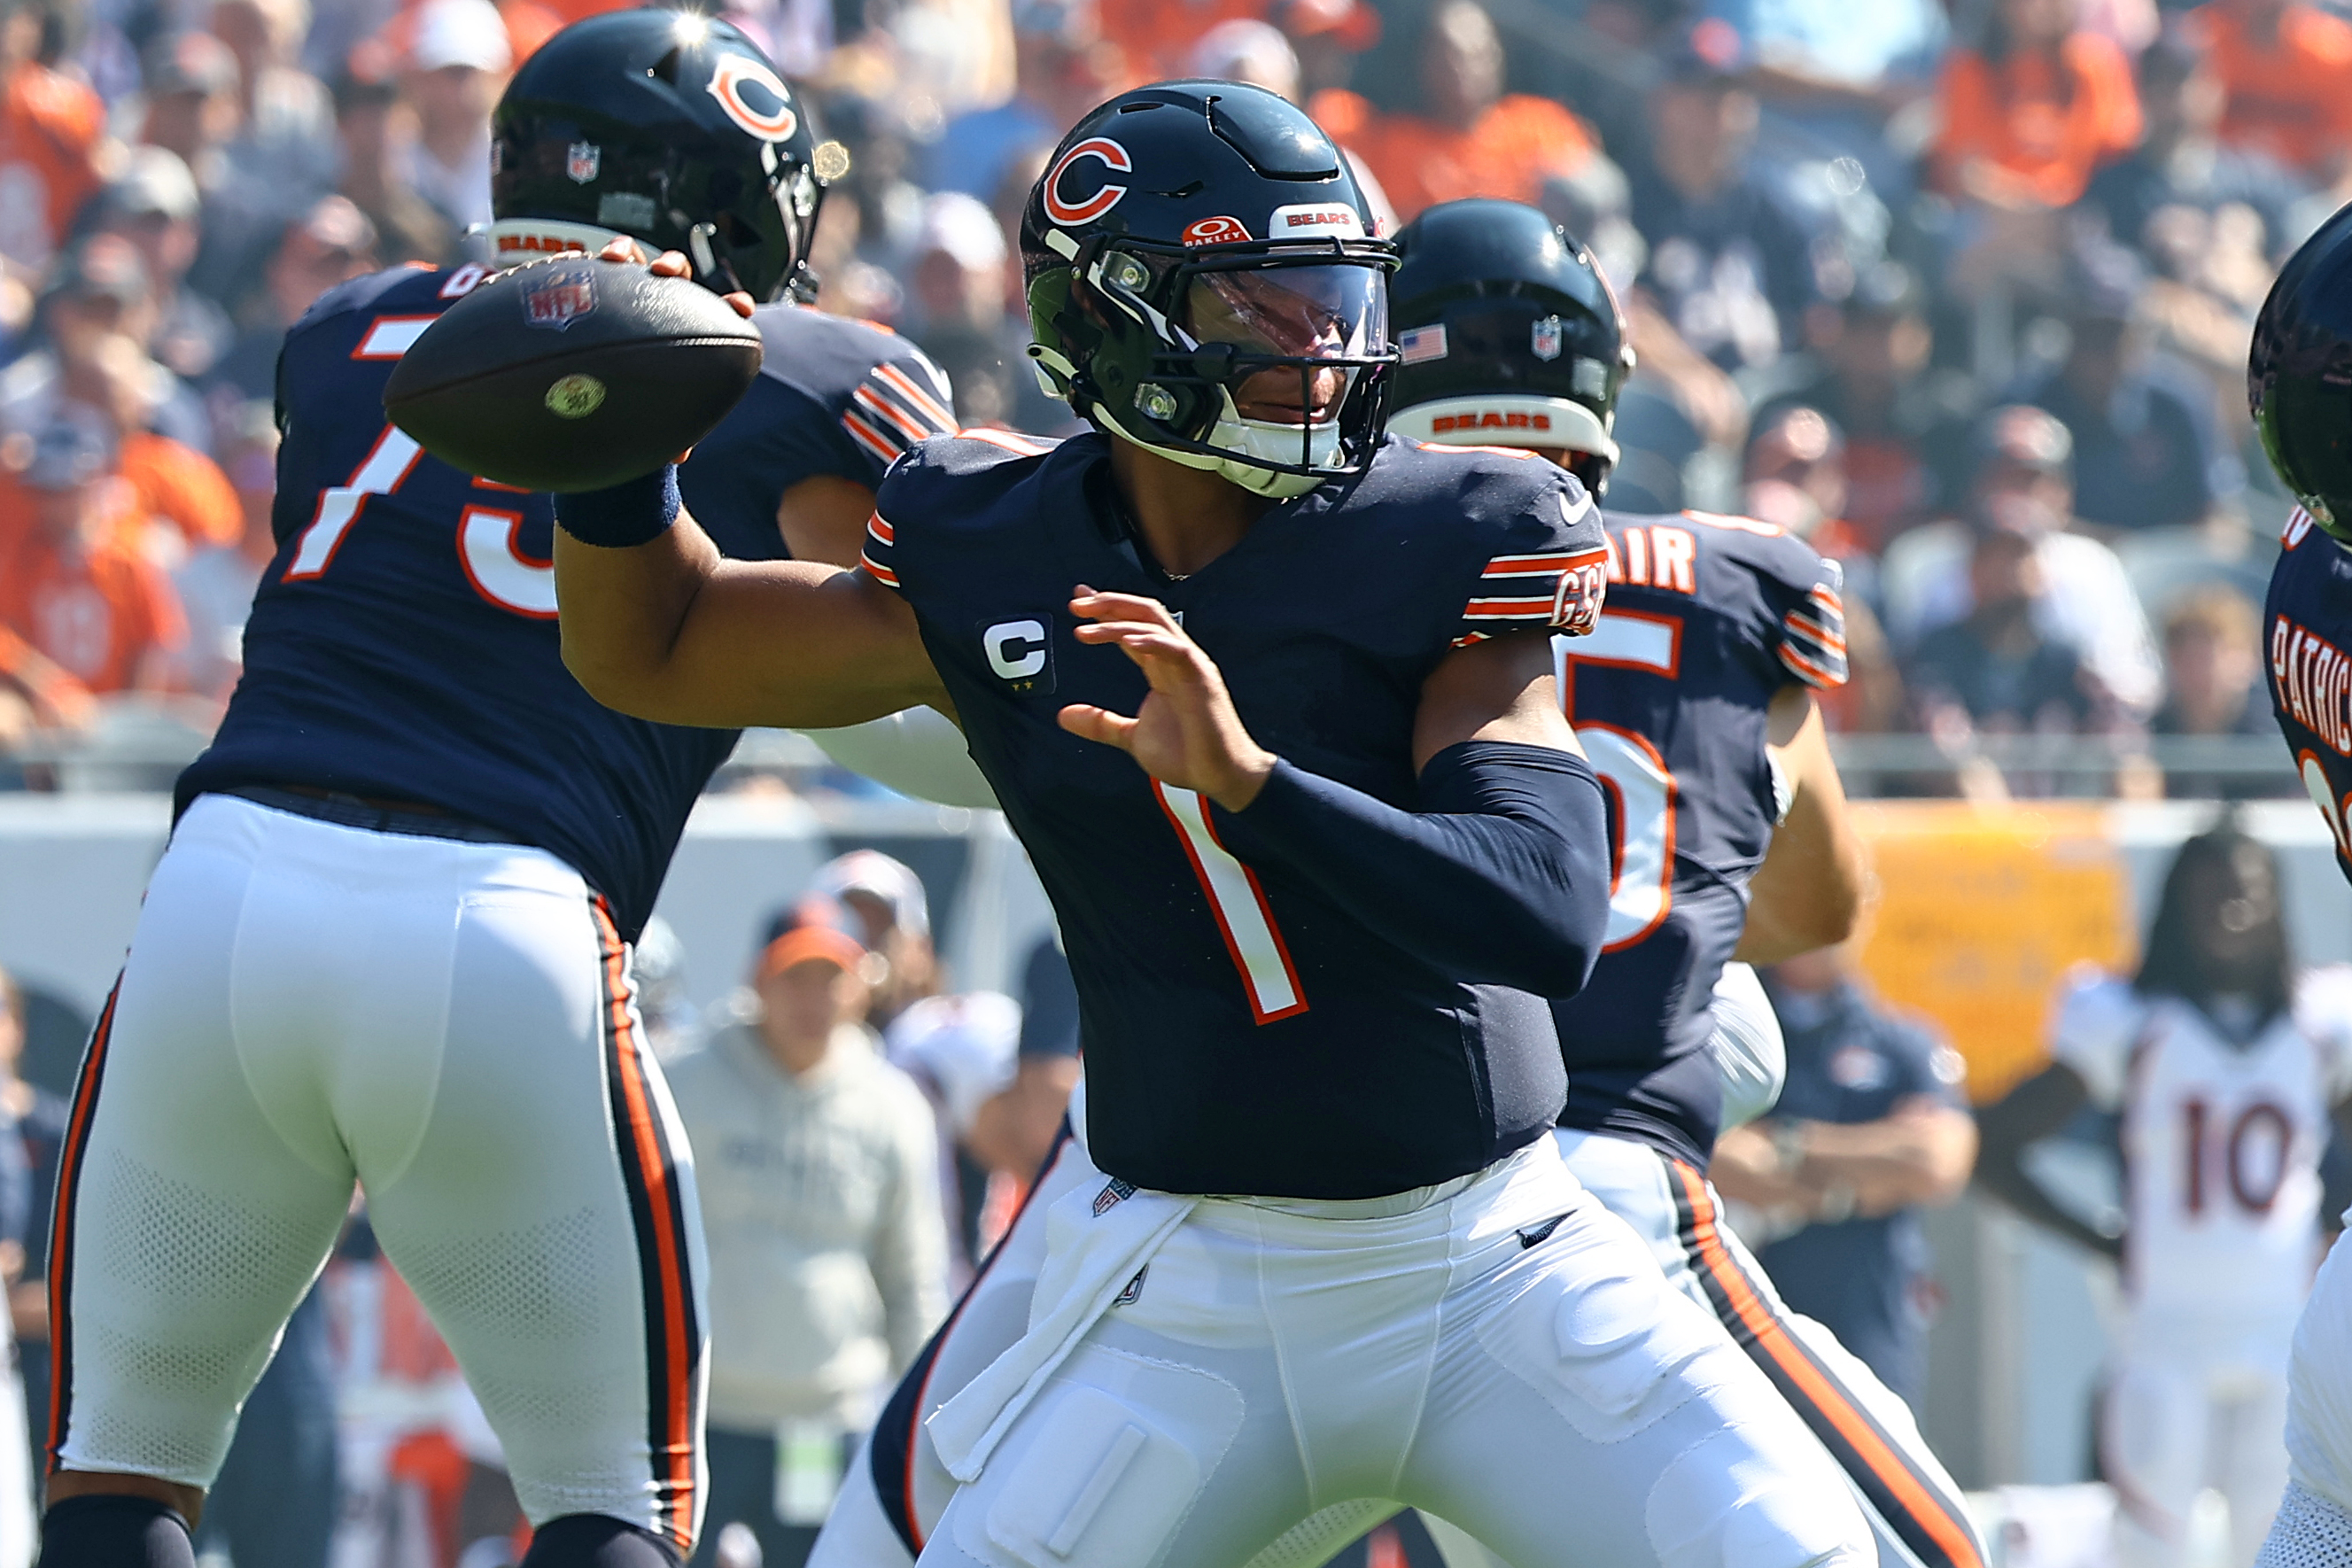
point(597, 1541)
point(112, 1531)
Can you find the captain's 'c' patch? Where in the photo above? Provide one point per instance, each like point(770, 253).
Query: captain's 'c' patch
point(1019, 651)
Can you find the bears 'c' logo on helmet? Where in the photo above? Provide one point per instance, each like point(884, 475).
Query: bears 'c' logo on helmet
point(754, 97)
point(1113, 156)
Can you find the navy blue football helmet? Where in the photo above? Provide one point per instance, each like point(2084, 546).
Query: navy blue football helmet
point(667, 126)
point(1188, 239)
point(2299, 375)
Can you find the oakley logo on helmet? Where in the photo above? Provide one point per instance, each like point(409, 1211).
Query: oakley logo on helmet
point(1216, 231)
point(1313, 220)
point(1112, 156)
point(754, 97)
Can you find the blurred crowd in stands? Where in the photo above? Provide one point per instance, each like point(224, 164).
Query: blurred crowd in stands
point(1960, 290)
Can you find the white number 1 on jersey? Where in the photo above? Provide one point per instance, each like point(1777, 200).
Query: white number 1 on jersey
point(1240, 906)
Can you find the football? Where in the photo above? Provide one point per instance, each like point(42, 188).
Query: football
point(572, 373)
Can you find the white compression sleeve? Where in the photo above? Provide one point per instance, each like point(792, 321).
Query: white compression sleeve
point(918, 752)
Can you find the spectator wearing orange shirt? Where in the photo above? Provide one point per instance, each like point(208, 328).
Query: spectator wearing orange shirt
point(1463, 136)
point(2032, 114)
point(1157, 35)
point(1327, 36)
point(77, 592)
point(50, 128)
point(2288, 67)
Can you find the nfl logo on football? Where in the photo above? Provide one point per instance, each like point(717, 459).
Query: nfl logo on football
point(1545, 339)
point(582, 159)
point(560, 298)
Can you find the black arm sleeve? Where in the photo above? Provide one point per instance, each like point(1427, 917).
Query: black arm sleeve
point(1503, 881)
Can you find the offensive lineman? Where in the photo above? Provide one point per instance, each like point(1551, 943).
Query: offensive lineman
point(2297, 394)
point(387, 943)
point(1694, 700)
point(1294, 983)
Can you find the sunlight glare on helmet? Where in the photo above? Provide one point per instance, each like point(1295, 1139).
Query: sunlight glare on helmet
point(690, 29)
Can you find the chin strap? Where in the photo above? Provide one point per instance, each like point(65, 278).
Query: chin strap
point(1246, 439)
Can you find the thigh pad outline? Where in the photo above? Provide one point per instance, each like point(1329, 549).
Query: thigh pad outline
point(1113, 1458)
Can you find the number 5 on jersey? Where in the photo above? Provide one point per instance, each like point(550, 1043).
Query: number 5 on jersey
point(1640, 785)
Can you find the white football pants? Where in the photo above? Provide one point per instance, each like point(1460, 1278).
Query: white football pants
point(2183, 1412)
point(450, 1026)
point(1915, 1508)
point(1498, 1351)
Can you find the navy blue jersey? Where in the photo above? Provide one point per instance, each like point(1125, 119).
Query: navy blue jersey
point(1708, 618)
point(834, 396)
point(1243, 1033)
point(2307, 624)
point(402, 644)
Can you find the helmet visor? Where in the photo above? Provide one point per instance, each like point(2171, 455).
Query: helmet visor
point(1291, 313)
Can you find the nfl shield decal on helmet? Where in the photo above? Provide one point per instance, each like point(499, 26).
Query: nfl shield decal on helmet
point(1544, 338)
point(560, 296)
point(582, 159)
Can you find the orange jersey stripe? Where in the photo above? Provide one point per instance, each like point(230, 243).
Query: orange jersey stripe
point(870, 438)
point(1011, 440)
point(897, 419)
point(1815, 631)
point(906, 385)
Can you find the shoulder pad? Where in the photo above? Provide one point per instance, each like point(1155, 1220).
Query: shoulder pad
point(1768, 550)
point(2323, 1001)
point(2097, 1015)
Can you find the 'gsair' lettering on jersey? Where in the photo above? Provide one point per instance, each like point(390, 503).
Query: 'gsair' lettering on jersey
point(2314, 681)
point(1655, 556)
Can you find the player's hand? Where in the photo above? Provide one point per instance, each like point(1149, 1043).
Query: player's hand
point(668, 264)
point(1186, 733)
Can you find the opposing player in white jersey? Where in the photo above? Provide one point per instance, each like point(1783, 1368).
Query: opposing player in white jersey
point(2225, 1066)
point(386, 945)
